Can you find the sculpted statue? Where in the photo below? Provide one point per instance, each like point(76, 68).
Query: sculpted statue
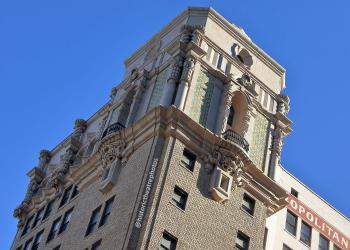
point(188, 69)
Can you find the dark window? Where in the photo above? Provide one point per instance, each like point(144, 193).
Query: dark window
point(248, 204)
point(242, 241)
point(106, 211)
point(305, 233)
point(291, 223)
point(28, 244)
point(57, 247)
point(179, 197)
point(240, 58)
point(335, 247)
point(54, 229)
point(265, 237)
point(27, 225)
point(75, 192)
point(19, 248)
point(294, 193)
point(38, 217)
point(324, 243)
point(38, 239)
point(66, 219)
point(220, 61)
point(231, 115)
point(48, 209)
point(168, 242)
point(96, 245)
point(93, 221)
point(285, 247)
point(65, 196)
point(188, 160)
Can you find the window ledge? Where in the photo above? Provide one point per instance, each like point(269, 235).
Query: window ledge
point(304, 244)
point(187, 169)
point(294, 236)
point(251, 215)
point(179, 208)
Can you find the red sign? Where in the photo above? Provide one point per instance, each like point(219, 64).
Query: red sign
point(318, 223)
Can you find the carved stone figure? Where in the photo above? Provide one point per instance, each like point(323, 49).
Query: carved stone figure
point(277, 141)
point(246, 81)
point(44, 158)
point(230, 162)
point(188, 69)
point(192, 33)
point(176, 68)
point(283, 104)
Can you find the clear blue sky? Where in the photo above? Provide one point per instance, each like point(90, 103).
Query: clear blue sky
point(59, 60)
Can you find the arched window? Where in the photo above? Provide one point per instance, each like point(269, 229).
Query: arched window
point(231, 116)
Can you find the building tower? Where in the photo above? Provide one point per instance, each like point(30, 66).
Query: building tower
point(181, 157)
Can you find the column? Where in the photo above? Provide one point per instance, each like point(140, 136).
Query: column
point(277, 144)
point(185, 80)
point(170, 86)
point(140, 89)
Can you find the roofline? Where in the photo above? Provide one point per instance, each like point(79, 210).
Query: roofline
point(314, 193)
point(230, 26)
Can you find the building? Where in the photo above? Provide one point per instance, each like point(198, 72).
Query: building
point(308, 222)
point(185, 155)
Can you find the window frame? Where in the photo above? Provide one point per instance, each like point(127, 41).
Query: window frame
point(28, 244)
point(105, 214)
point(169, 237)
point(96, 244)
point(305, 225)
point(27, 225)
point(48, 209)
point(322, 237)
point(37, 240)
point(53, 233)
point(91, 226)
point(294, 192)
point(287, 223)
point(66, 196)
point(38, 219)
point(64, 223)
point(183, 197)
point(245, 238)
point(191, 158)
point(248, 199)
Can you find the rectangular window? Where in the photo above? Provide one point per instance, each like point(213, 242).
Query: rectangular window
point(219, 64)
point(75, 192)
point(48, 209)
point(168, 242)
point(38, 239)
point(27, 225)
point(38, 217)
point(179, 198)
point(305, 233)
point(93, 221)
point(224, 182)
point(294, 192)
point(97, 245)
point(242, 241)
point(54, 229)
point(209, 53)
point(66, 219)
point(248, 204)
point(285, 247)
point(65, 196)
point(28, 244)
point(291, 223)
point(57, 247)
point(323, 243)
point(188, 160)
point(106, 211)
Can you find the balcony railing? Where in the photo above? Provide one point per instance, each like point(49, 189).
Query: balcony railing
point(232, 136)
point(115, 127)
